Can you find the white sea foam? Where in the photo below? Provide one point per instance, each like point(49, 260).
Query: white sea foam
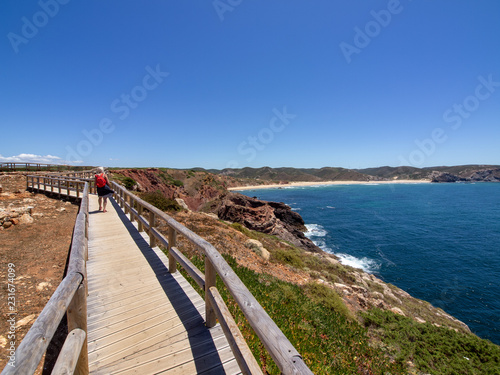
point(366, 264)
point(315, 230)
point(322, 246)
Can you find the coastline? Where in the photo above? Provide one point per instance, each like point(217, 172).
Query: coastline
point(322, 183)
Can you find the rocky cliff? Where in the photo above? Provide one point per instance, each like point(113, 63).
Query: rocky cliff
point(266, 217)
point(472, 175)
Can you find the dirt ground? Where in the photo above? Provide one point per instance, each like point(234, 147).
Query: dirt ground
point(36, 251)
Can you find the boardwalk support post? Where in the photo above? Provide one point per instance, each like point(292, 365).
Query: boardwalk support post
point(152, 238)
point(210, 281)
point(172, 242)
point(140, 226)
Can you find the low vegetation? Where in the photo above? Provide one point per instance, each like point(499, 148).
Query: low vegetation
point(128, 182)
point(168, 179)
point(431, 349)
point(321, 329)
point(159, 200)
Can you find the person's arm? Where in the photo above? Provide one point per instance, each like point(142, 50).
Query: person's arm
point(106, 178)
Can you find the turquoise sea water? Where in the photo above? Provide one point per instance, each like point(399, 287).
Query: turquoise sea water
point(439, 242)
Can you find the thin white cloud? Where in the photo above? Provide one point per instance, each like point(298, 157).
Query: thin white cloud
point(32, 158)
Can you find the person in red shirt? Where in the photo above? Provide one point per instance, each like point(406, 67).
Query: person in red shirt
point(103, 190)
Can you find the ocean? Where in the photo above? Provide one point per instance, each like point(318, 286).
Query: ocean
point(438, 242)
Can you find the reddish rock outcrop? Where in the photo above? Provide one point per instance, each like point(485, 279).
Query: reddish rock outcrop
point(195, 193)
point(267, 217)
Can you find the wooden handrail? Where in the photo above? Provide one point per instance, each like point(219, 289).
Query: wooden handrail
point(39, 167)
point(59, 185)
point(286, 357)
point(69, 298)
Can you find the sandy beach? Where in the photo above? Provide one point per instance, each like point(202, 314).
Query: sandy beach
point(321, 183)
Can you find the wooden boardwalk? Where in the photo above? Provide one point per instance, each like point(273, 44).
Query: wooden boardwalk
point(141, 318)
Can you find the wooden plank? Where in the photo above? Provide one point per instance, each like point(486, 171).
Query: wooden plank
point(101, 326)
point(170, 357)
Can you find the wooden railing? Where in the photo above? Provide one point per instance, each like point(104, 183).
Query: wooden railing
point(62, 186)
point(37, 167)
point(286, 357)
point(87, 174)
point(70, 298)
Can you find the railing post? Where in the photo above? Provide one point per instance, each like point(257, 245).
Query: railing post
point(152, 223)
point(77, 318)
point(210, 280)
point(67, 187)
point(59, 187)
point(139, 212)
point(172, 241)
point(132, 201)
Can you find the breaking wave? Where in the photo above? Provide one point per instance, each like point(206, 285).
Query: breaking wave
point(366, 264)
point(315, 230)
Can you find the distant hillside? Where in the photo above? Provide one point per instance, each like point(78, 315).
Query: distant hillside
point(399, 173)
point(297, 174)
point(435, 174)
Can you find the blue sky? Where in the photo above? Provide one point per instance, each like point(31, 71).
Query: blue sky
point(235, 83)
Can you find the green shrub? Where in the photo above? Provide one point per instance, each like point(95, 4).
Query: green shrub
point(289, 256)
point(328, 297)
point(168, 179)
point(161, 202)
point(239, 227)
point(129, 182)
